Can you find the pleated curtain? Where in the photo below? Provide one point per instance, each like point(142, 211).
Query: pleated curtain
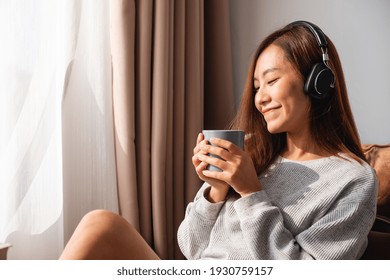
point(160, 63)
point(101, 102)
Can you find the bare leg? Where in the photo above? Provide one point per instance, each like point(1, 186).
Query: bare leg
point(103, 235)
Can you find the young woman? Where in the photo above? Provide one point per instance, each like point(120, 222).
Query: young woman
point(301, 189)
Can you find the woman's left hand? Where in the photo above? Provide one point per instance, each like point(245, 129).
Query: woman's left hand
point(237, 166)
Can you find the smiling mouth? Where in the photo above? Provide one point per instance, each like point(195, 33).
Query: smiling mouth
point(268, 110)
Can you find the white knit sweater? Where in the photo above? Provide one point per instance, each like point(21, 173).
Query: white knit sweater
point(317, 209)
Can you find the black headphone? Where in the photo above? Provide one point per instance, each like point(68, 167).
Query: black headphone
point(321, 78)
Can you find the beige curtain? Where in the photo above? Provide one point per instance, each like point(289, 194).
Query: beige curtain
point(219, 97)
point(158, 97)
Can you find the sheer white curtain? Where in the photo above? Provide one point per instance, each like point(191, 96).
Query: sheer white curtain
point(57, 157)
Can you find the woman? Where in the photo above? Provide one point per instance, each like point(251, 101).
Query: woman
point(301, 189)
point(315, 197)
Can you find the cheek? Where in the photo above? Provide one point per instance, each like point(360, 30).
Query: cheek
point(295, 107)
point(297, 101)
point(297, 113)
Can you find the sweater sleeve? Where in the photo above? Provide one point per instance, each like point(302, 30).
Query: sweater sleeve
point(194, 231)
point(340, 233)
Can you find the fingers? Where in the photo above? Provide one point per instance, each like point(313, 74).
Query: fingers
point(200, 169)
point(237, 166)
point(211, 160)
point(227, 145)
point(200, 138)
point(195, 159)
point(200, 142)
point(198, 146)
point(222, 153)
point(214, 174)
point(222, 148)
point(226, 150)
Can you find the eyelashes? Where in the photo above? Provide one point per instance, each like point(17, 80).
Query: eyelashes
point(269, 83)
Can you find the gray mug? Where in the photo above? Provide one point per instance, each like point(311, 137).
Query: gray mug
point(234, 136)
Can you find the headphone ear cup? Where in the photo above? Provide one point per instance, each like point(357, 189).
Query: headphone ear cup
point(319, 81)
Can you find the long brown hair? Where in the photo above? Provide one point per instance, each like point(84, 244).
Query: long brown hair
point(331, 121)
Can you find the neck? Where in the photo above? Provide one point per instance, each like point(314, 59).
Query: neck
point(301, 146)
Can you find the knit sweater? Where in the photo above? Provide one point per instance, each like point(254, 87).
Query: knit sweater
point(316, 209)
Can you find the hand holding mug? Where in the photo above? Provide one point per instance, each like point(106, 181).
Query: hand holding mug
point(219, 189)
point(224, 163)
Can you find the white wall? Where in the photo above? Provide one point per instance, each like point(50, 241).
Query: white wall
point(358, 28)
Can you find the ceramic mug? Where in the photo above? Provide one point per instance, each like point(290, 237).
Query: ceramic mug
point(234, 136)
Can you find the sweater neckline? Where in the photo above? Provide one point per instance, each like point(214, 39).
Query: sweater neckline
point(281, 159)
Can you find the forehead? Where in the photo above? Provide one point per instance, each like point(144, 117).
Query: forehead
point(272, 57)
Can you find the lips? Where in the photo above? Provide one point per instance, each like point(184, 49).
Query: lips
point(266, 110)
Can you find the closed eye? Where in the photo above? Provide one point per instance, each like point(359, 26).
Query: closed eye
point(271, 82)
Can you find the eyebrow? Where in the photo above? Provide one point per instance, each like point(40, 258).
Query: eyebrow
point(269, 70)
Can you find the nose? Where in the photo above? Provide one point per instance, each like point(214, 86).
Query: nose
point(261, 99)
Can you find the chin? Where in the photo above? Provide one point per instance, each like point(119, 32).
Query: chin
point(274, 130)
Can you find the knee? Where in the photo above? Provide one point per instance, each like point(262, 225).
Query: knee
point(99, 216)
point(103, 221)
point(96, 234)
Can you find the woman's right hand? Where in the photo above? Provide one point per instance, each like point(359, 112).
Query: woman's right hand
point(219, 189)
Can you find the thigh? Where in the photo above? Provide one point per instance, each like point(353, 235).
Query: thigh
point(104, 235)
